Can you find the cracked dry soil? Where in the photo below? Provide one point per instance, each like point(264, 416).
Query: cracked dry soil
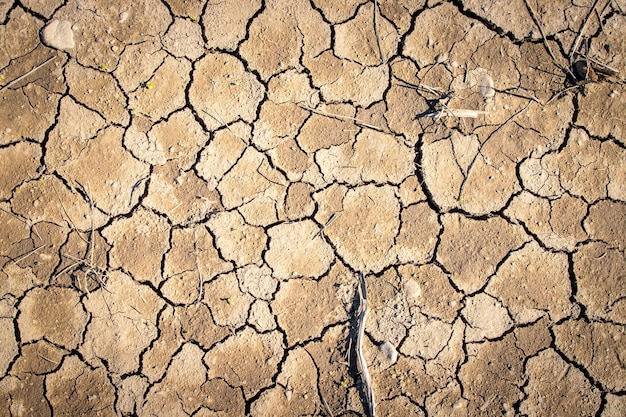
point(189, 188)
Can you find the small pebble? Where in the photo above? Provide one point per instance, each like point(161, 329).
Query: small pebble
point(485, 87)
point(58, 34)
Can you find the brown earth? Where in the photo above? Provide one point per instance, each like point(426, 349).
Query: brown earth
point(188, 190)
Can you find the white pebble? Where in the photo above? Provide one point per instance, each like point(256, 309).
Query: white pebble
point(485, 87)
point(58, 34)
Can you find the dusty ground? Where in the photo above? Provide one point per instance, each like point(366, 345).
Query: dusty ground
point(188, 191)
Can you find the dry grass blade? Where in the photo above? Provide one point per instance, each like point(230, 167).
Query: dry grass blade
point(368, 391)
point(340, 117)
point(200, 278)
point(576, 43)
point(330, 220)
point(21, 77)
point(533, 15)
point(380, 49)
point(446, 112)
point(27, 254)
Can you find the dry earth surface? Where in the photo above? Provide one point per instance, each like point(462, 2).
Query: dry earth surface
point(188, 190)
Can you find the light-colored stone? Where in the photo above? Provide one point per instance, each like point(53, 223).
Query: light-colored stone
point(58, 34)
point(386, 356)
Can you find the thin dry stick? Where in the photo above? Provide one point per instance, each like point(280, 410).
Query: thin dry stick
point(340, 117)
point(365, 375)
point(533, 15)
point(200, 279)
point(332, 219)
point(380, 49)
point(328, 410)
point(581, 30)
point(21, 77)
point(26, 255)
point(69, 219)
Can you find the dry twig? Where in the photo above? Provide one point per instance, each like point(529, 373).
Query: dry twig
point(21, 77)
point(340, 117)
point(368, 391)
